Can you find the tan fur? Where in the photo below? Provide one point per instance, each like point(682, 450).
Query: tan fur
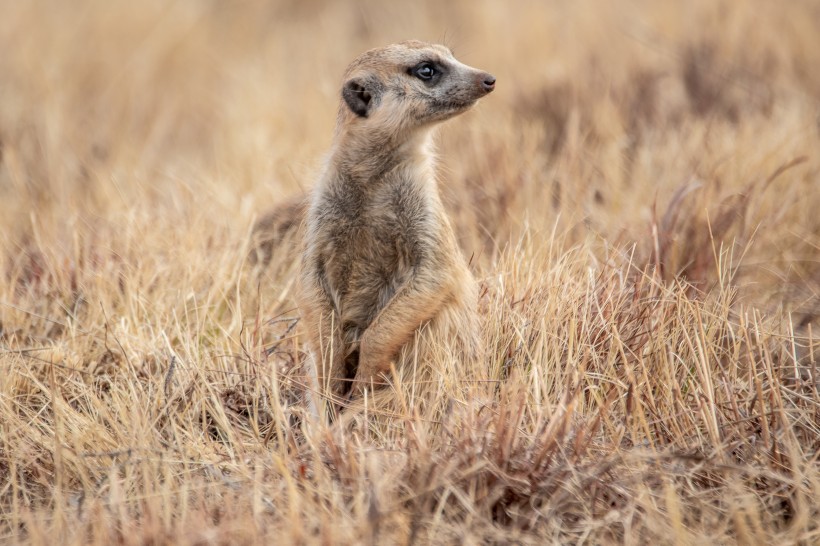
point(382, 279)
point(278, 231)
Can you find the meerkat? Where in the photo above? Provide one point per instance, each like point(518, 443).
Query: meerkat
point(381, 271)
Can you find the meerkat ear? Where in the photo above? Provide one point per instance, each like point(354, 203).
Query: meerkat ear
point(357, 97)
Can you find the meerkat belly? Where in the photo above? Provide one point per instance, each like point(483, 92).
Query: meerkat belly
point(374, 249)
point(365, 270)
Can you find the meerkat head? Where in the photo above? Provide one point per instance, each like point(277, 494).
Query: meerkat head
point(394, 90)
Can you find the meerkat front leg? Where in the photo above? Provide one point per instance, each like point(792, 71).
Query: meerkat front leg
point(415, 302)
point(324, 340)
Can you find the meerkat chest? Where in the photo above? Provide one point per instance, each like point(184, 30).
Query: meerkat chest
point(372, 246)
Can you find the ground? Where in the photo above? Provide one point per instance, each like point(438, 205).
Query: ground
point(639, 198)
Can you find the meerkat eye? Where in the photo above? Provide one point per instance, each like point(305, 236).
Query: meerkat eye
point(424, 71)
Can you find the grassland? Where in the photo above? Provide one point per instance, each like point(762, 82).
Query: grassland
point(641, 201)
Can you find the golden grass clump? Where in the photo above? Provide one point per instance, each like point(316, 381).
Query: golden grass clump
point(639, 198)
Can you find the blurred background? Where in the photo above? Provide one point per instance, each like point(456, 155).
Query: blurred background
point(147, 128)
point(639, 198)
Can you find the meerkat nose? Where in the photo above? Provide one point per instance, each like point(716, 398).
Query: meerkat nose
point(488, 82)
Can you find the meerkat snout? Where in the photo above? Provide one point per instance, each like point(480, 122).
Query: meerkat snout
point(488, 82)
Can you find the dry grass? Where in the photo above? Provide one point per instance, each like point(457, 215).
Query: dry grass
point(640, 198)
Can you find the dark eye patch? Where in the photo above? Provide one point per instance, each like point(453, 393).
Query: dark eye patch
point(427, 71)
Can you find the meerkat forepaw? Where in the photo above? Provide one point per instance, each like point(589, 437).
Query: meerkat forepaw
point(366, 380)
point(360, 383)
